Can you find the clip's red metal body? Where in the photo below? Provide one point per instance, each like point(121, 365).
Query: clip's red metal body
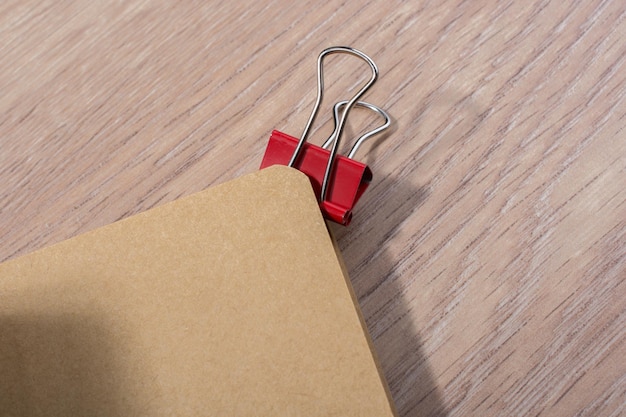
point(349, 178)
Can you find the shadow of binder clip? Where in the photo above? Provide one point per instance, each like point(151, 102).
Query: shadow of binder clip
point(338, 181)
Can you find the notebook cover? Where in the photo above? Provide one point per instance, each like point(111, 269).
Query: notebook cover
point(231, 301)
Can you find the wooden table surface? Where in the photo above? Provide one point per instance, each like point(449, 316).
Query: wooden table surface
point(489, 253)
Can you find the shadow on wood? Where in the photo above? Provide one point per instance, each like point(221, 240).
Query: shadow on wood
point(377, 284)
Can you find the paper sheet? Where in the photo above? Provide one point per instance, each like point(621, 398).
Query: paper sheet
point(231, 301)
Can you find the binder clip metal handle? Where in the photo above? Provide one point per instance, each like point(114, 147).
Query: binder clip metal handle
point(366, 135)
point(338, 181)
point(344, 115)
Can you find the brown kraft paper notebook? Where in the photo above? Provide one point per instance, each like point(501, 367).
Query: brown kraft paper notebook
point(231, 301)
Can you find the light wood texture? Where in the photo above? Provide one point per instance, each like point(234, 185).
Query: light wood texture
point(489, 254)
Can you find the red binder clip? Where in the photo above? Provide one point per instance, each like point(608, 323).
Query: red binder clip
point(351, 177)
point(338, 181)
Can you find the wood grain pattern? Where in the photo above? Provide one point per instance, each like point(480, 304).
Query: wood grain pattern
point(489, 254)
